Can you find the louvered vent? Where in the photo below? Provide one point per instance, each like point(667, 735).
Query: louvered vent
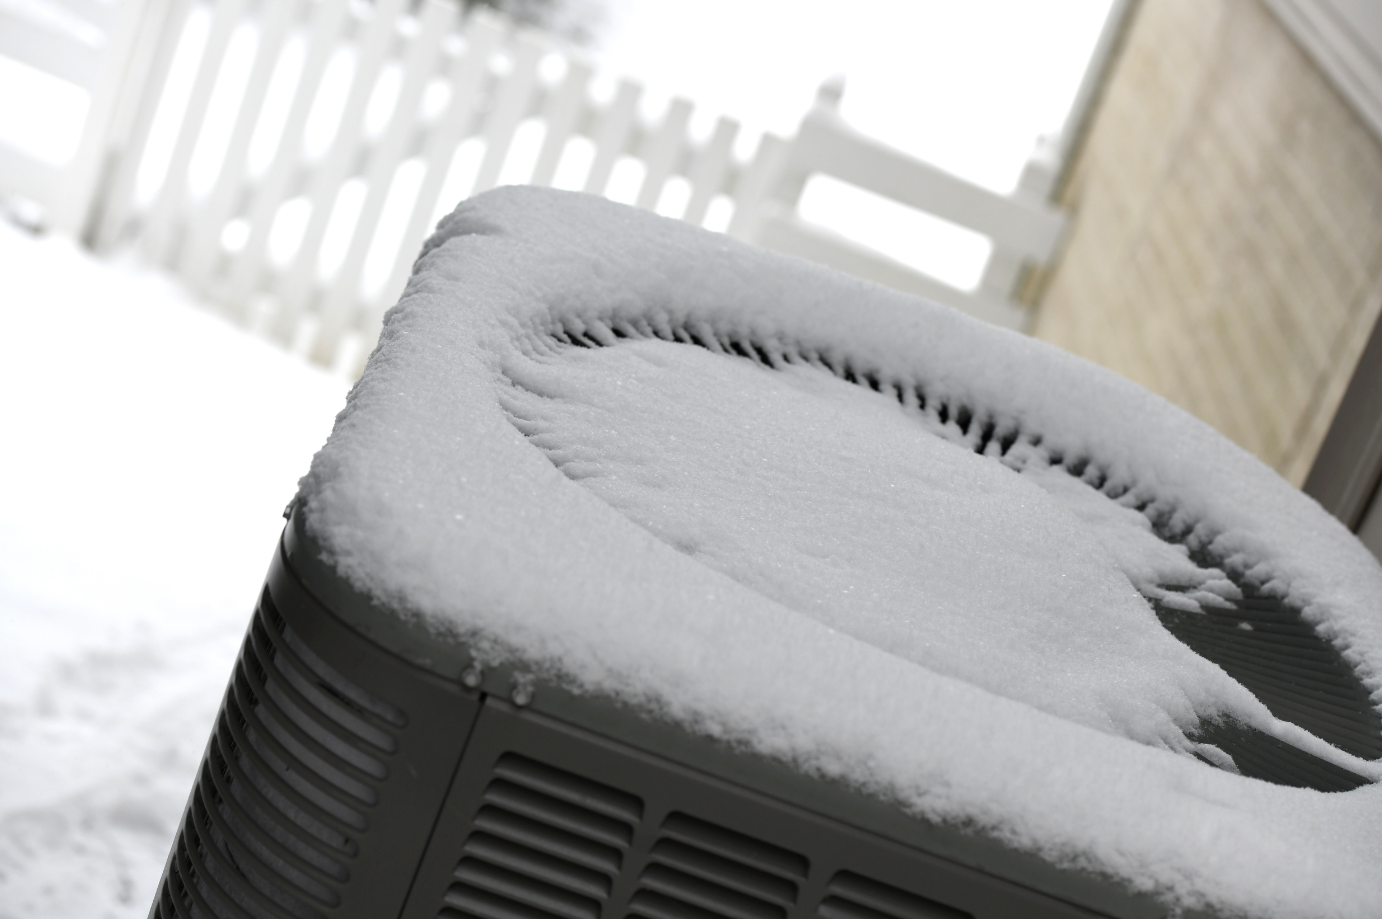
point(1280, 657)
point(697, 870)
point(292, 768)
point(851, 896)
point(547, 844)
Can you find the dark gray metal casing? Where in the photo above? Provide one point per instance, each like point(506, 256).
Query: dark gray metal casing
point(353, 773)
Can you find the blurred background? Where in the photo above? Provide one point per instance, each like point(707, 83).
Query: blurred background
point(208, 205)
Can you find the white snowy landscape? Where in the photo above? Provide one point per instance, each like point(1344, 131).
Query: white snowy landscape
point(148, 450)
point(724, 544)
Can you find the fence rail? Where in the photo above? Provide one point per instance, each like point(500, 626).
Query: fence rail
point(430, 107)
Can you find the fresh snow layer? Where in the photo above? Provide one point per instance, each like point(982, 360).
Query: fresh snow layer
point(824, 573)
point(833, 501)
point(149, 449)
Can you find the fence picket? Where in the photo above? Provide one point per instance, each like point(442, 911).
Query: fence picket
point(420, 56)
point(511, 106)
point(661, 152)
point(562, 114)
point(466, 75)
point(612, 135)
point(202, 250)
point(708, 170)
point(752, 190)
point(296, 284)
point(1004, 271)
point(167, 210)
point(157, 46)
point(323, 36)
point(1001, 274)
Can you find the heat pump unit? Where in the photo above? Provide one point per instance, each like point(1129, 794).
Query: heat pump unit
point(473, 688)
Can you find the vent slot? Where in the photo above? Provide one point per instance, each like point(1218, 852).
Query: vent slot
point(355, 707)
point(272, 825)
point(852, 896)
point(546, 844)
point(702, 864)
point(735, 846)
point(545, 838)
point(697, 870)
point(536, 864)
point(516, 888)
point(583, 793)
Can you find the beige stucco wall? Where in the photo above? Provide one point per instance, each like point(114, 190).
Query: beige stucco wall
point(1226, 248)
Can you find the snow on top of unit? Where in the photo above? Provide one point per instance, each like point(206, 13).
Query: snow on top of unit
point(735, 538)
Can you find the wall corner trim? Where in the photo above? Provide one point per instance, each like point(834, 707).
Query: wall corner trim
point(1344, 477)
point(1344, 38)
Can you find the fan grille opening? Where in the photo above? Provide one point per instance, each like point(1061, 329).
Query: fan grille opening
point(293, 765)
point(1262, 642)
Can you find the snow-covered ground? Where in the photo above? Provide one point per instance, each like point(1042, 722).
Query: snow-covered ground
point(148, 450)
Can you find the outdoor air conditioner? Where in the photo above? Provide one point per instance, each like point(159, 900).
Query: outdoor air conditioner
point(374, 758)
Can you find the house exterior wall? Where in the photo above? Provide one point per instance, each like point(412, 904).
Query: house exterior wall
point(1226, 247)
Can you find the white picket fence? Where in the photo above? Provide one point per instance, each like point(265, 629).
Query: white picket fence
point(422, 108)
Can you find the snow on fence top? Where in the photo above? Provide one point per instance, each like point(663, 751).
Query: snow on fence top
point(851, 530)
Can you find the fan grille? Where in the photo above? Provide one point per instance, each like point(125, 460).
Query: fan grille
point(1260, 641)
